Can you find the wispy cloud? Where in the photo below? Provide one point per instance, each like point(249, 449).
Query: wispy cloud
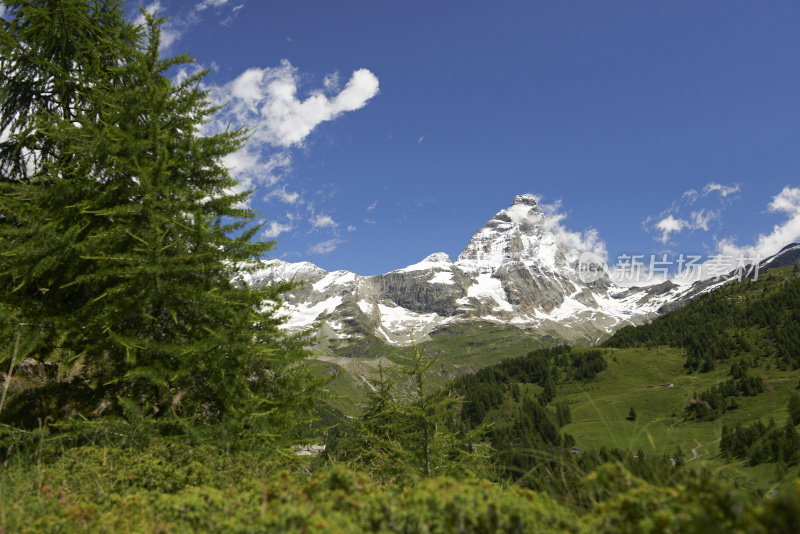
point(675, 219)
point(250, 169)
point(670, 225)
point(233, 14)
point(273, 229)
point(331, 82)
point(205, 4)
point(586, 241)
point(178, 24)
point(701, 218)
point(287, 197)
point(698, 220)
point(325, 247)
point(723, 190)
point(372, 206)
point(320, 221)
point(786, 202)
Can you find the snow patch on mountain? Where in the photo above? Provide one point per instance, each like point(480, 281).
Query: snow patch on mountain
point(365, 306)
point(442, 277)
point(337, 278)
point(399, 325)
point(302, 316)
point(486, 286)
point(437, 260)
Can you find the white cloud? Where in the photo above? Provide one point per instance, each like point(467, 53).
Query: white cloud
point(673, 220)
point(669, 225)
point(325, 247)
point(266, 100)
point(174, 28)
point(691, 194)
point(587, 241)
point(274, 229)
point(284, 196)
point(191, 69)
point(249, 168)
point(331, 82)
point(234, 13)
point(372, 206)
point(205, 4)
point(723, 190)
point(351, 228)
point(701, 218)
point(320, 221)
point(788, 202)
point(421, 138)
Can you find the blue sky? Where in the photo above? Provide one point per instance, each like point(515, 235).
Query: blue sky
point(386, 131)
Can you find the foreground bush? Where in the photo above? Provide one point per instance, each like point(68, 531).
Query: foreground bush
point(171, 487)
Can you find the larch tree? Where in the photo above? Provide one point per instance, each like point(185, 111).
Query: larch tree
point(122, 241)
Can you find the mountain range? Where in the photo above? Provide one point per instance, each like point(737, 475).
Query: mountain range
point(519, 269)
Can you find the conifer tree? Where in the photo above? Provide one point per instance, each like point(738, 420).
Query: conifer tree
point(379, 438)
point(125, 243)
point(50, 52)
point(793, 405)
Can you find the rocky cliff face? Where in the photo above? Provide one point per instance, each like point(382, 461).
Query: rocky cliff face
point(517, 269)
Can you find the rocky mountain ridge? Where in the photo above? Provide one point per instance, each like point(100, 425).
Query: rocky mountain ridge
point(517, 269)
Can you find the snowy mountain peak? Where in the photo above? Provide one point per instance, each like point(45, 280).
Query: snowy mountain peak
point(526, 199)
point(520, 268)
point(519, 233)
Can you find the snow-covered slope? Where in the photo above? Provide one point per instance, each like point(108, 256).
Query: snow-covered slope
point(517, 269)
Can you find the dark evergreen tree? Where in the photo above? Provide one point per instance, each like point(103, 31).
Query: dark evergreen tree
point(793, 406)
point(50, 52)
point(379, 438)
point(123, 245)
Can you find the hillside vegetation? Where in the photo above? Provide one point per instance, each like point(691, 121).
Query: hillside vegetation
point(647, 402)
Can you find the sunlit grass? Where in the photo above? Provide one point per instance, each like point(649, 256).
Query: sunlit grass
point(600, 409)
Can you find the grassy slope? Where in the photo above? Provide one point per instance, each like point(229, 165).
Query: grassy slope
point(600, 408)
point(456, 349)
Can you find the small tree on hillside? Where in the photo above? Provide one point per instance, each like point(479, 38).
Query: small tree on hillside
point(377, 439)
point(793, 405)
point(419, 435)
